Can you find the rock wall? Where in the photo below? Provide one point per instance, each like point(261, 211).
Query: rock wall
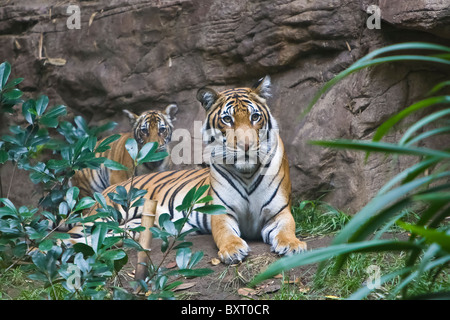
point(138, 55)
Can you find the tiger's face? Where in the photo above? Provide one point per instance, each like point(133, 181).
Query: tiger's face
point(153, 126)
point(238, 124)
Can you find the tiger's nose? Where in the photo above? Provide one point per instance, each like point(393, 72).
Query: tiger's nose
point(245, 145)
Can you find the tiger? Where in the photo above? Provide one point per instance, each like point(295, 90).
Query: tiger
point(255, 191)
point(149, 126)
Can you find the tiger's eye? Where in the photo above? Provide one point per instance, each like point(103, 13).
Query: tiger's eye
point(162, 130)
point(227, 119)
point(255, 117)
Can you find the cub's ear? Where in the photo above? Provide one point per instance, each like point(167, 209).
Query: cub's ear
point(207, 97)
point(262, 87)
point(131, 116)
point(171, 111)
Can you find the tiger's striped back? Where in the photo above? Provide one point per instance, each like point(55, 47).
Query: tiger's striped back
point(168, 188)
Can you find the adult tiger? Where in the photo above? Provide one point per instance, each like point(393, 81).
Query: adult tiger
point(150, 126)
point(248, 174)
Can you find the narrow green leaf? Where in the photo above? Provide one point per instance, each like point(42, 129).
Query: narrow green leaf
point(376, 146)
point(380, 202)
point(438, 87)
point(430, 235)
point(384, 128)
point(322, 254)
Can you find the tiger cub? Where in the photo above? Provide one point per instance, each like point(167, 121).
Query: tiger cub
point(248, 174)
point(150, 126)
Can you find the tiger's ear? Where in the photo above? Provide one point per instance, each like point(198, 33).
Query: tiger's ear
point(131, 116)
point(262, 87)
point(171, 111)
point(207, 97)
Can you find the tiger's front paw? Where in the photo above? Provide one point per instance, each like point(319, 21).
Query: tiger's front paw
point(285, 245)
point(233, 251)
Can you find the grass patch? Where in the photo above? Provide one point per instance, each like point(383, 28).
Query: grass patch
point(315, 218)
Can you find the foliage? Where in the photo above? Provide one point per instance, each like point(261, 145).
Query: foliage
point(85, 270)
point(427, 249)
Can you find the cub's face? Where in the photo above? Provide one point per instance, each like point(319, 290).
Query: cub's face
point(237, 124)
point(153, 126)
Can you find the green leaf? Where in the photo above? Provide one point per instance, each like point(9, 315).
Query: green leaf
point(3, 156)
point(188, 200)
point(72, 196)
point(438, 87)
point(105, 143)
point(430, 235)
point(195, 259)
point(46, 245)
point(50, 119)
point(63, 209)
point(114, 165)
point(84, 203)
point(182, 257)
point(57, 164)
point(208, 198)
point(100, 199)
point(212, 209)
point(146, 152)
point(5, 71)
point(57, 111)
point(84, 249)
point(12, 83)
point(113, 255)
point(185, 244)
point(41, 104)
point(169, 226)
point(13, 94)
point(132, 148)
point(98, 236)
point(29, 110)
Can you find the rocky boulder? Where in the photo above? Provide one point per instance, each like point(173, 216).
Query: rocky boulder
point(139, 54)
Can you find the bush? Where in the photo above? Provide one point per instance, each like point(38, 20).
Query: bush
point(83, 271)
point(428, 247)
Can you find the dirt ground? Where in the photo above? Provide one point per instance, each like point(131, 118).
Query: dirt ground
point(228, 282)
